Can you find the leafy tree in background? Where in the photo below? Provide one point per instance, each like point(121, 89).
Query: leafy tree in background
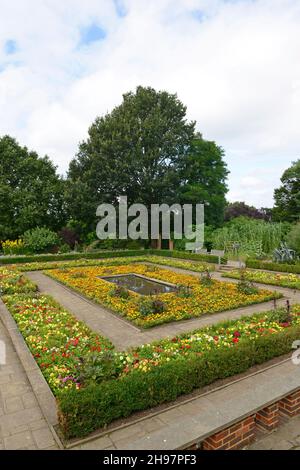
point(293, 238)
point(135, 151)
point(31, 192)
point(287, 197)
point(203, 175)
point(145, 149)
point(241, 209)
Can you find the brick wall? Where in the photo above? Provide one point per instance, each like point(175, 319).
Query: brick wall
point(290, 405)
point(234, 437)
point(268, 418)
point(243, 433)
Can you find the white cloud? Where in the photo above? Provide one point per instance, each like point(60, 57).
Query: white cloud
point(236, 69)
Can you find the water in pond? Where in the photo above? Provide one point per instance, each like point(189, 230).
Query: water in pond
point(140, 284)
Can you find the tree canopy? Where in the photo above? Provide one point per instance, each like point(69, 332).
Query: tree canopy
point(31, 192)
point(287, 197)
point(148, 150)
point(238, 209)
point(203, 179)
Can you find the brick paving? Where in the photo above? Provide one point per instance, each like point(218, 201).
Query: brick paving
point(22, 424)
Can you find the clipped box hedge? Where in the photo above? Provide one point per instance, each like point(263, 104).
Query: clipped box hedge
point(82, 411)
point(280, 267)
point(109, 254)
point(188, 256)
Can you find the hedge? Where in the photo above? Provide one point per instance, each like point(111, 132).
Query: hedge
point(280, 267)
point(82, 411)
point(110, 254)
point(189, 256)
point(68, 256)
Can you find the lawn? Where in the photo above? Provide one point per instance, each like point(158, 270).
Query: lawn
point(193, 298)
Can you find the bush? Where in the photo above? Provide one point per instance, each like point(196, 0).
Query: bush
point(119, 291)
point(40, 239)
point(187, 255)
point(83, 411)
point(151, 306)
point(69, 237)
point(14, 247)
point(285, 268)
point(293, 238)
point(110, 254)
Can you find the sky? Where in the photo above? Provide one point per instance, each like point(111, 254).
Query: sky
point(235, 64)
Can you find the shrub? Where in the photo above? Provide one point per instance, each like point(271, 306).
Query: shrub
point(95, 368)
point(40, 239)
point(119, 291)
point(69, 237)
point(151, 306)
point(83, 411)
point(206, 279)
point(293, 238)
point(14, 247)
point(285, 268)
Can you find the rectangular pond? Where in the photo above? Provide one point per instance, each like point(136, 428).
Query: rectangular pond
point(140, 284)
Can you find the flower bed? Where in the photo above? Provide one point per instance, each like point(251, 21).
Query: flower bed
point(95, 384)
point(176, 263)
point(160, 372)
point(284, 280)
point(217, 297)
point(12, 282)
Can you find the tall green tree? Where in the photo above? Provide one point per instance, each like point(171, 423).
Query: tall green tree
point(287, 197)
point(135, 150)
point(31, 192)
point(203, 175)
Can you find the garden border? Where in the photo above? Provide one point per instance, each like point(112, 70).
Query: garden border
point(39, 385)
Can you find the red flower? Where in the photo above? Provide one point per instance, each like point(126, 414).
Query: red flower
point(236, 334)
point(235, 340)
point(216, 338)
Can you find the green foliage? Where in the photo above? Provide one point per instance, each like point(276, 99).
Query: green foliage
point(245, 286)
point(40, 239)
point(204, 173)
point(119, 291)
point(287, 197)
point(255, 237)
point(83, 411)
point(206, 279)
point(95, 368)
point(150, 306)
point(110, 254)
point(293, 238)
point(285, 268)
point(31, 192)
point(134, 150)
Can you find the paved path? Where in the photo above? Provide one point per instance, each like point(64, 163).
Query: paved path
point(22, 424)
point(191, 422)
point(286, 437)
point(122, 333)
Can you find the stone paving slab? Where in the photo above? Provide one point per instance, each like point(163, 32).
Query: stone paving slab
point(285, 437)
point(187, 423)
point(22, 423)
point(124, 335)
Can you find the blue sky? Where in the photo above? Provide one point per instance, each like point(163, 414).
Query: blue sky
point(234, 63)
